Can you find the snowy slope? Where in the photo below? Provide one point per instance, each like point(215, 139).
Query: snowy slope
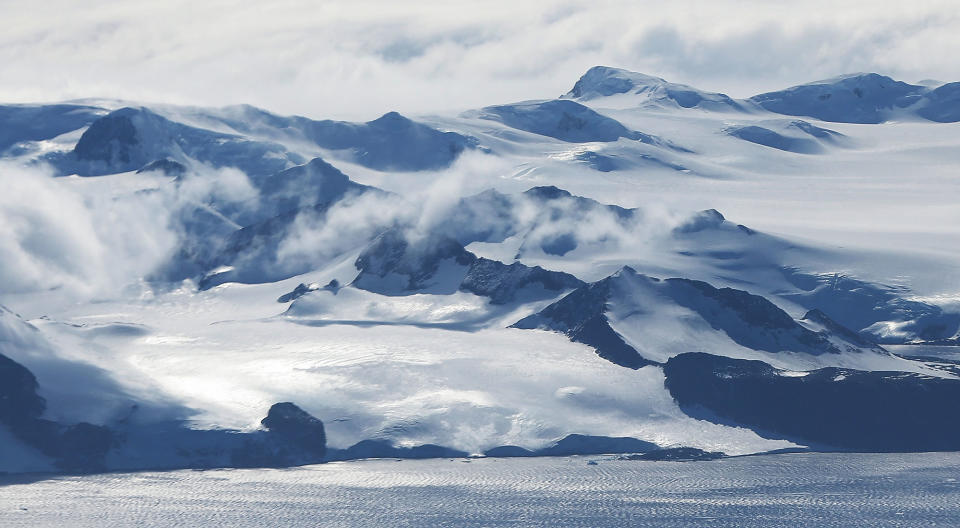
point(637, 89)
point(403, 251)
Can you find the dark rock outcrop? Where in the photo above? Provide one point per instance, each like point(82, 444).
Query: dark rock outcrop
point(383, 449)
point(395, 265)
point(166, 166)
point(749, 320)
point(829, 407)
point(677, 454)
point(578, 444)
point(296, 427)
point(581, 316)
point(79, 448)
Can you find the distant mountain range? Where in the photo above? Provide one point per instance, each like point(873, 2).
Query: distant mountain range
point(511, 281)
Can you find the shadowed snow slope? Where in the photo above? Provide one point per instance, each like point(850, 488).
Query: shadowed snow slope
point(858, 98)
point(565, 120)
point(130, 138)
point(20, 123)
point(792, 136)
point(390, 143)
point(646, 91)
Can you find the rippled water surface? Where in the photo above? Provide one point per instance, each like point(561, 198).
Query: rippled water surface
point(775, 490)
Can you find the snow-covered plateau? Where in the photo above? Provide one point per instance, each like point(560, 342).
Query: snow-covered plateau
point(632, 267)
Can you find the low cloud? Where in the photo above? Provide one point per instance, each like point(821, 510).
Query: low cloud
point(94, 243)
point(359, 59)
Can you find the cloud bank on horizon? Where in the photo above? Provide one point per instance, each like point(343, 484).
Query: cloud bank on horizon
point(359, 59)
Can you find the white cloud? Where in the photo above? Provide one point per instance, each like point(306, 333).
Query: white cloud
point(359, 59)
point(88, 244)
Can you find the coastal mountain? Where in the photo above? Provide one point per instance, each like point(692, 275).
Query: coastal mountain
point(232, 287)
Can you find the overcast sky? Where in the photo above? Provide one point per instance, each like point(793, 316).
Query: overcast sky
point(358, 59)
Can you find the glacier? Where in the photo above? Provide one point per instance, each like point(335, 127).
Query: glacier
point(634, 266)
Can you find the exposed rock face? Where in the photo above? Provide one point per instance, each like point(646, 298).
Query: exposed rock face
point(581, 316)
point(502, 282)
point(578, 444)
point(166, 166)
point(833, 327)
point(19, 401)
point(678, 454)
point(112, 139)
point(295, 426)
point(303, 289)
point(382, 449)
point(752, 321)
point(829, 407)
point(395, 265)
point(79, 448)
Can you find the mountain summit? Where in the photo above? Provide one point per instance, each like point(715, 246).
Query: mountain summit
point(647, 90)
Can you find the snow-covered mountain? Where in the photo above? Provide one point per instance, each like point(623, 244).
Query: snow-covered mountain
point(636, 264)
point(638, 89)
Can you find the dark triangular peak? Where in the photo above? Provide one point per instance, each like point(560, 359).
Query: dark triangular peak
point(853, 98)
point(581, 316)
point(647, 90)
point(392, 121)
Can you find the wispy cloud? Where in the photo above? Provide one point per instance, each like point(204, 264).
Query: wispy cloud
point(359, 59)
